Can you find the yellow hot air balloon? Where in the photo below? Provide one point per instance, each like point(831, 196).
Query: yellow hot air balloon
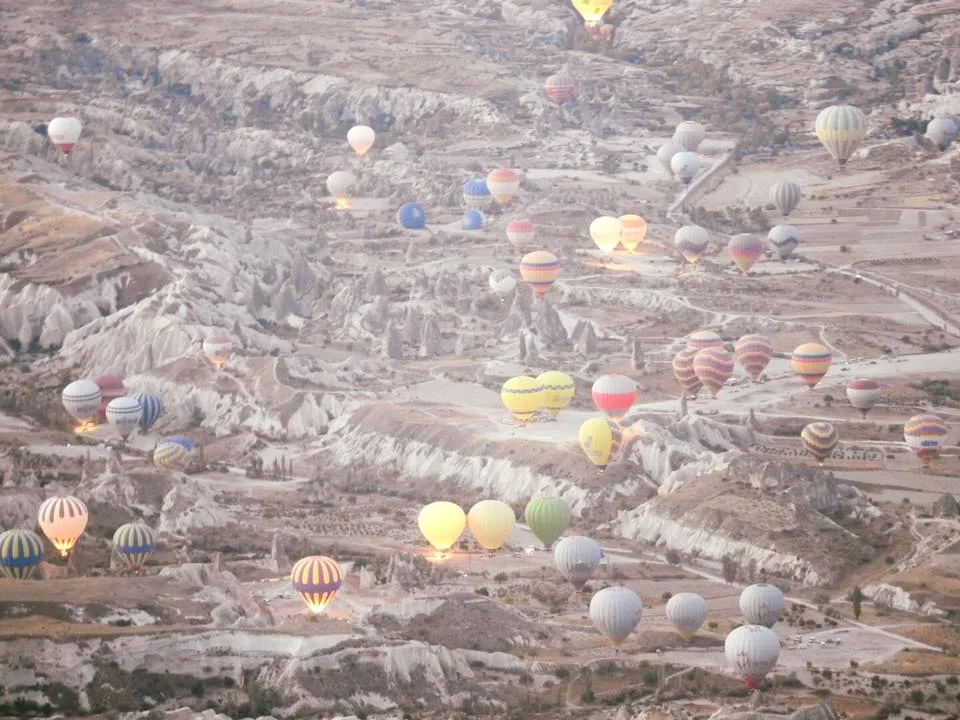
point(522, 396)
point(600, 439)
point(633, 231)
point(442, 523)
point(491, 522)
point(592, 11)
point(606, 231)
point(558, 390)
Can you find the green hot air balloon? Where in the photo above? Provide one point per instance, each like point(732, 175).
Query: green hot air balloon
point(548, 519)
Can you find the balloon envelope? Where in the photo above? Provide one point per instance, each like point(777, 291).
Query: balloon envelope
point(745, 249)
point(559, 87)
point(684, 373)
point(503, 184)
point(153, 410)
point(558, 390)
point(614, 394)
point(577, 558)
point(761, 604)
point(605, 232)
point(863, 394)
point(689, 134)
point(785, 195)
point(685, 165)
point(841, 129)
point(754, 353)
point(548, 518)
point(124, 413)
point(81, 399)
point(361, 138)
point(317, 580)
point(491, 522)
point(20, 552)
point(691, 241)
point(472, 220)
point(64, 133)
point(539, 270)
point(616, 612)
point(784, 239)
point(819, 439)
point(134, 543)
point(752, 651)
point(63, 520)
point(475, 193)
point(502, 282)
point(442, 523)
point(713, 367)
point(811, 361)
point(633, 231)
point(411, 216)
point(703, 339)
point(522, 396)
point(520, 232)
point(600, 439)
point(687, 612)
point(340, 183)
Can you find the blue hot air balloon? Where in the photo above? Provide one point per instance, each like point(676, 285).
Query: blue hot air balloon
point(152, 410)
point(20, 552)
point(411, 216)
point(181, 440)
point(134, 542)
point(476, 194)
point(472, 220)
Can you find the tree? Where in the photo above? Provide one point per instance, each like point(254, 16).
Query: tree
point(729, 569)
point(856, 597)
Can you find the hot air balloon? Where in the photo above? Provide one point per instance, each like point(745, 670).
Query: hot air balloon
point(170, 453)
point(924, 434)
point(218, 348)
point(605, 232)
point(686, 611)
point(502, 282)
point(689, 134)
point(134, 543)
point(81, 399)
point(703, 339)
point(633, 231)
point(491, 522)
point(317, 580)
point(63, 520)
point(592, 11)
point(411, 216)
point(784, 239)
point(754, 353)
point(523, 397)
point(521, 232)
point(685, 165)
point(475, 193)
point(548, 519)
point(616, 612)
point(863, 394)
point(558, 390)
point(560, 88)
point(753, 651)
point(20, 552)
point(601, 439)
point(614, 394)
point(819, 439)
point(665, 155)
point(841, 129)
point(761, 604)
point(786, 196)
point(713, 367)
point(691, 241)
point(183, 441)
point(361, 139)
point(442, 523)
point(473, 220)
point(64, 133)
point(152, 410)
point(745, 249)
point(111, 387)
point(540, 269)
point(684, 373)
point(942, 131)
point(503, 184)
point(339, 185)
point(124, 413)
point(577, 558)
point(811, 361)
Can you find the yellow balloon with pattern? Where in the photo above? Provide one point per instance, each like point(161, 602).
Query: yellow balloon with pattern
point(558, 390)
point(442, 523)
point(491, 522)
point(600, 439)
point(522, 396)
point(592, 11)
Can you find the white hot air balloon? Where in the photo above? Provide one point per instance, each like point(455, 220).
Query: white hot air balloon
point(784, 239)
point(361, 139)
point(665, 154)
point(761, 604)
point(691, 241)
point(339, 184)
point(577, 558)
point(841, 129)
point(64, 133)
point(752, 651)
point(606, 232)
point(616, 612)
point(218, 348)
point(689, 134)
point(81, 399)
point(502, 282)
point(686, 611)
point(685, 165)
point(124, 413)
point(786, 196)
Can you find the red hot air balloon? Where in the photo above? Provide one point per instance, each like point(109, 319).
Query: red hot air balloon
point(560, 88)
point(111, 388)
point(614, 394)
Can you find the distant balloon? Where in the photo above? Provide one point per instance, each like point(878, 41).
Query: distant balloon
point(502, 282)
point(752, 651)
point(786, 196)
point(218, 348)
point(689, 134)
point(560, 88)
point(703, 339)
point(754, 353)
point(503, 184)
point(172, 454)
point(521, 232)
point(616, 612)
point(63, 520)
point(811, 361)
point(20, 552)
point(924, 434)
point(411, 216)
point(361, 139)
point(548, 518)
point(111, 387)
point(863, 394)
point(522, 396)
point(317, 580)
point(577, 558)
point(473, 220)
point(614, 394)
point(153, 410)
point(490, 523)
point(942, 131)
point(605, 232)
point(685, 165)
point(81, 399)
point(475, 193)
point(592, 11)
point(340, 183)
point(841, 129)
point(442, 523)
point(784, 239)
point(761, 604)
point(713, 367)
point(745, 249)
point(684, 373)
point(64, 133)
point(124, 413)
point(819, 439)
point(539, 270)
point(183, 441)
point(558, 390)
point(665, 155)
point(601, 439)
point(134, 543)
point(691, 241)
point(633, 231)
point(687, 612)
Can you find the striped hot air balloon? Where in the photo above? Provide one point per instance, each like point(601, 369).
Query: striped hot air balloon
point(819, 439)
point(745, 249)
point(559, 87)
point(754, 353)
point(785, 195)
point(614, 394)
point(558, 390)
point(111, 387)
point(317, 579)
point(691, 241)
point(684, 372)
point(863, 394)
point(924, 434)
point(601, 439)
point(81, 399)
point(548, 518)
point(521, 232)
point(20, 552)
point(175, 451)
point(841, 129)
point(503, 184)
point(633, 231)
point(134, 543)
point(124, 413)
point(811, 361)
point(703, 339)
point(522, 396)
point(784, 239)
point(540, 269)
point(153, 410)
point(475, 193)
point(63, 520)
point(713, 367)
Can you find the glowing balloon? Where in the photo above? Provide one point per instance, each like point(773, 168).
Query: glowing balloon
point(752, 651)
point(684, 373)
point(64, 133)
point(503, 184)
point(841, 129)
point(63, 520)
point(152, 410)
point(592, 11)
point(522, 396)
point(924, 434)
point(605, 232)
point(754, 353)
point(411, 216)
point(491, 522)
point(811, 361)
point(560, 88)
point(689, 134)
point(521, 232)
point(218, 348)
point(81, 399)
point(539, 270)
point(442, 523)
point(687, 612)
point(761, 604)
point(616, 612)
point(124, 413)
point(20, 552)
point(502, 282)
point(577, 558)
point(361, 139)
point(633, 231)
point(340, 183)
point(713, 367)
point(786, 196)
point(475, 193)
point(614, 394)
point(703, 339)
point(317, 580)
point(558, 390)
point(691, 241)
point(745, 249)
point(819, 439)
point(601, 439)
point(548, 519)
point(863, 394)
point(134, 543)
point(685, 165)
point(784, 239)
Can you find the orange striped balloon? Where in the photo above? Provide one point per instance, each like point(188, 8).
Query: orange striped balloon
point(539, 270)
point(317, 579)
point(683, 371)
point(713, 367)
point(811, 361)
point(819, 439)
point(754, 353)
point(634, 231)
point(703, 339)
point(924, 435)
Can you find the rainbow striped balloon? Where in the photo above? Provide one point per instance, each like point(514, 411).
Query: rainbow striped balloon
point(924, 435)
point(811, 361)
point(20, 552)
point(539, 270)
point(713, 367)
point(683, 371)
point(317, 579)
point(819, 439)
point(754, 353)
point(745, 249)
point(703, 339)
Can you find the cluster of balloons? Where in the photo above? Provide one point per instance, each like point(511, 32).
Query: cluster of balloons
point(105, 399)
point(679, 156)
point(608, 232)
